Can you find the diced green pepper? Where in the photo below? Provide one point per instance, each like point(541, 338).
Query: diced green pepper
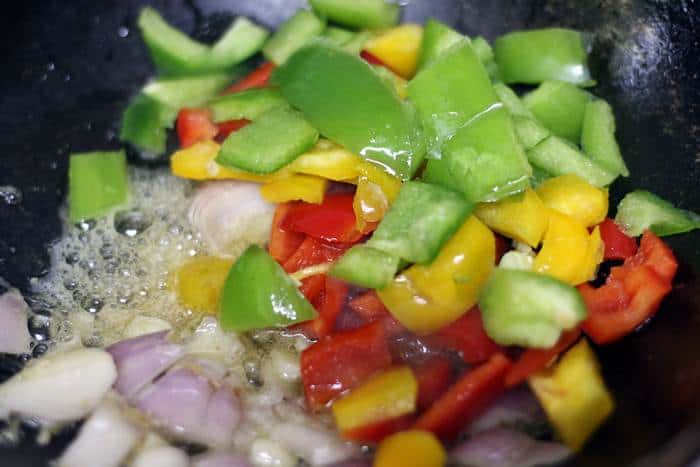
point(191, 91)
point(530, 132)
point(422, 218)
point(366, 267)
point(450, 92)
point(485, 158)
point(557, 156)
point(485, 53)
point(292, 35)
point(259, 294)
point(338, 36)
point(349, 103)
point(369, 14)
point(539, 55)
point(529, 309)
point(248, 104)
point(357, 43)
point(437, 38)
point(240, 41)
point(538, 176)
point(641, 210)
point(598, 138)
point(559, 106)
point(511, 100)
point(144, 123)
point(97, 182)
point(272, 141)
point(437, 172)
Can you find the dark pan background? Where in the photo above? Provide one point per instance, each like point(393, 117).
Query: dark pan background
point(68, 68)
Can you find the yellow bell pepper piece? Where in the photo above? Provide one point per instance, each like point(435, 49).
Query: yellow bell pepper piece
point(390, 394)
point(398, 48)
point(522, 217)
point(197, 162)
point(572, 195)
point(327, 160)
point(574, 396)
point(295, 188)
point(412, 448)
point(568, 252)
point(389, 184)
point(376, 190)
point(424, 298)
point(199, 283)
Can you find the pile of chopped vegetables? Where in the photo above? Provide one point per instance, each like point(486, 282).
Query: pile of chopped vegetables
point(434, 236)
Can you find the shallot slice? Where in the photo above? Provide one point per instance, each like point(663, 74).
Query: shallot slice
point(14, 334)
point(220, 459)
point(161, 456)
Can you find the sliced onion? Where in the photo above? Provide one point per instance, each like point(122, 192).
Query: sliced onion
point(316, 446)
point(104, 440)
point(60, 387)
point(142, 325)
point(141, 359)
point(161, 456)
point(14, 334)
point(231, 215)
point(500, 447)
point(517, 407)
point(186, 404)
point(220, 459)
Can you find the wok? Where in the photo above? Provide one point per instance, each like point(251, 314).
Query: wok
point(69, 68)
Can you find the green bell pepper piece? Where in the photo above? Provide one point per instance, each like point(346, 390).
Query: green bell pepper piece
point(191, 91)
point(144, 123)
point(485, 158)
point(360, 14)
point(272, 141)
point(97, 182)
point(559, 106)
point(438, 173)
point(539, 55)
point(449, 93)
point(259, 294)
point(365, 266)
point(358, 41)
point(292, 35)
point(512, 101)
point(437, 38)
point(528, 308)
point(530, 132)
point(641, 210)
point(538, 176)
point(598, 138)
point(240, 41)
point(422, 218)
point(557, 156)
point(338, 36)
point(248, 104)
point(485, 53)
point(350, 104)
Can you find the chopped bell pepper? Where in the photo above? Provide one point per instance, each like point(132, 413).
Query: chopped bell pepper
point(349, 103)
point(248, 104)
point(388, 395)
point(522, 217)
point(529, 309)
point(298, 30)
point(338, 36)
point(259, 294)
point(283, 243)
point(467, 336)
point(389, 184)
point(391, 79)
point(512, 101)
point(376, 190)
point(437, 38)
point(641, 210)
point(312, 252)
point(331, 305)
point(366, 267)
point(569, 253)
point(560, 107)
point(424, 298)
point(539, 55)
point(466, 399)
point(434, 376)
point(144, 123)
point(97, 182)
point(369, 14)
point(328, 160)
point(598, 137)
point(617, 244)
point(377, 432)
point(258, 78)
point(194, 125)
point(188, 91)
point(200, 281)
point(226, 128)
point(530, 134)
point(332, 221)
point(571, 195)
point(574, 396)
point(295, 188)
point(412, 448)
point(398, 48)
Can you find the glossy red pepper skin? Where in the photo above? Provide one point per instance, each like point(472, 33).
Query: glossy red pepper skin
point(434, 377)
point(258, 78)
point(283, 243)
point(370, 308)
point(331, 221)
point(376, 432)
point(231, 126)
point(193, 126)
point(330, 304)
point(617, 244)
point(467, 336)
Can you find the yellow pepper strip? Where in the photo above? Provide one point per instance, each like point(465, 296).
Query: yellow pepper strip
point(572, 195)
point(327, 160)
point(199, 283)
point(568, 252)
point(295, 188)
point(522, 217)
point(388, 395)
point(412, 448)
point(398, 48)
point(197, 162)
point(574, 396)
point(424, 298)
point(376, 190)
point(389, 184)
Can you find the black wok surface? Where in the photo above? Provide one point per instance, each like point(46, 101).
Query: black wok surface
point(68, 69)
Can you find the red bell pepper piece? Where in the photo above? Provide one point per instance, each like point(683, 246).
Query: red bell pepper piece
point(283, 243)
point(312, 288)
point(631, 294)
point(376, 432)
point(533, 360)
point(226, 128)
point(434, 376)
point(371, 59)
point(502, 246)
point(258, 78)
point(342, 361)
point(617, 244)
point(312, 252)
point(194, 125)
point(370, 308)
point(466, 399)
point(332, 221)
point(330, 305)
point(467, 336)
